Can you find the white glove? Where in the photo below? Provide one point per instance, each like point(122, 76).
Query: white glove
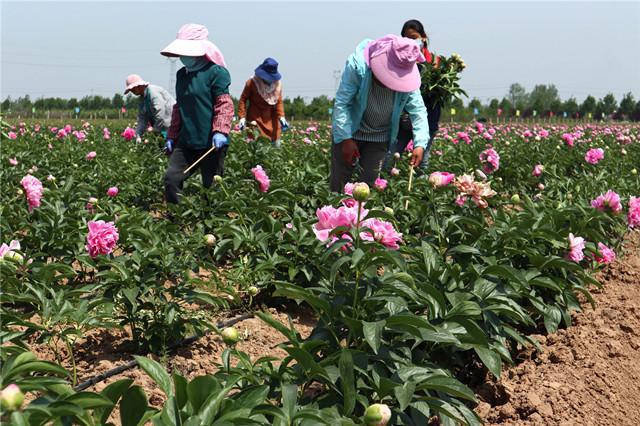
point(242, 123)
point(284, 124)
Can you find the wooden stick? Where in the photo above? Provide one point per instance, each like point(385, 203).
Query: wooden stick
point(406, 204)
point(213, 148)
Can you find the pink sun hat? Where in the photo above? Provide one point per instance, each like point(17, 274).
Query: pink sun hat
point(192, 41)
point(132, 81)
point(393, 61)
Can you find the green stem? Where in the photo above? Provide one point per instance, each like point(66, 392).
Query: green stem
point(73, 362)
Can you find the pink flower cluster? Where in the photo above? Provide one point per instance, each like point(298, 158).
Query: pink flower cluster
point(33, 188)
point(607, 255)
point(478, 191)
point(80, 135)
point(8, 249)
point(594, 155)
point(106, 135)
point(262, 178)
point(12, 135)
point(576, 248)
point(90, 155)
point(128, 134)
point(102, 237)
point(440, 179)
point(608, 201)
point(330, 218)
point(490, 160)
point(568, 138)
point(380, 184)
point(633, 217)
point(537, 170)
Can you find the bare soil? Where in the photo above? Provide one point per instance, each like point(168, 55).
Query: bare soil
point(587, 374)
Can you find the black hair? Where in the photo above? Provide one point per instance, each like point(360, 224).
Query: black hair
point(414, 24)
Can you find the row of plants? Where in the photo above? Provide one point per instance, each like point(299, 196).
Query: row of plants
point(417, 294)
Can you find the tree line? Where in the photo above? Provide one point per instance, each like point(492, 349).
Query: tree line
point(543, 101)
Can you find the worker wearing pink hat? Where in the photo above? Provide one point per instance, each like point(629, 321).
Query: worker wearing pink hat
point(201, 118)
point(379, 81)
point(156, 105)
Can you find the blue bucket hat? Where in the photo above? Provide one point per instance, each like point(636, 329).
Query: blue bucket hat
point(268, 70)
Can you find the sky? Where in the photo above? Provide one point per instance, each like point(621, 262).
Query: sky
point(73, 49)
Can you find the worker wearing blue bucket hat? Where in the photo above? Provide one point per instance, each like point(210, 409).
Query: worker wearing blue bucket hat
point(263, 91)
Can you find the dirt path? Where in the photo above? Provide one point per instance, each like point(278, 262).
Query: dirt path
point(588, 374)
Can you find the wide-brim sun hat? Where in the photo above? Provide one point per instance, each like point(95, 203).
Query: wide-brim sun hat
point(192, 41)
point(392, 60)
point(134, 80)
point(268, 70)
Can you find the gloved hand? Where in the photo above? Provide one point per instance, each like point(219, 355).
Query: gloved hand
point(219, 140)
point(138, 139)
point(168, 146)
point(284, 124)
point(243, 123)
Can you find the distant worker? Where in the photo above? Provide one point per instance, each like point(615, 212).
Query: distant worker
point(202, 116)
point(155, 108)
point(414, 29)
point(263, 92)
point(379, 81)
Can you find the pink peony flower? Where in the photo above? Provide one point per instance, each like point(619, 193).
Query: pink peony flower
point(382, 232)
point(380, 184)
point(409, 147)
point(348, 188)
point(12, 135)
point(106, 135)
point(609, 201)
point(262, 178)
point(490, 160)
point(289, 225)
point(633, 217)
point(80, 135)
point(594, 155)
point(9, 249)
point(113, 191)
point(461, 200)
point(13, 161)
point(440, 179)
point(102, 237)
point(68, 128)
point(90, 156)
point(537, 170)
point(576, 247)
point(607, 255)
point(33, 188)
point(61, 133)
point(128, 133)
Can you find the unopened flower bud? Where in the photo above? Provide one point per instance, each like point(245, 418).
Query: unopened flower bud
point(540, 186)
point(209, 240)
point(377, 415)
point(14, 256)
point(395, 172)
point(396, 155)
point(515, 198)
point(361, 192)
point(389, 210)
point(253, 290)
point(480, 174)
point(634, 171)
point(217, 179)
point(11, 397)
point(230, 336)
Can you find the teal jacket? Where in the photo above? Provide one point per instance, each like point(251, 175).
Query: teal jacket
point(351, 102)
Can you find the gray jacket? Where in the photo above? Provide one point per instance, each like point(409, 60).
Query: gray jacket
point(155, 108)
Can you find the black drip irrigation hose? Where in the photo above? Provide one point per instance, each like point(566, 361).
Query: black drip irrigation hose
point(131, 364)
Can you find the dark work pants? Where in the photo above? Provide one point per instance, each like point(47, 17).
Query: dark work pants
point(181, 159)
point(371, 157)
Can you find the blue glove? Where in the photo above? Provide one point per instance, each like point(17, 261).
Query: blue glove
point(168, 146)
point(284, 124)
point(163, 133)
point(219, 140)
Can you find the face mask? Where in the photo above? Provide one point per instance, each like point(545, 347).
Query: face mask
point(419, 42)
point(192, 63)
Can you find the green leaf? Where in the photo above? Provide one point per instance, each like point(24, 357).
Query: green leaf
point(404, 394)
point(180, 384)
point(490, 359)
point(133, 406)
point(552, 317)
point(113, 391)
point(157, 373)
point(200, 388)
point(211, 406)
point(372, 332)
point(89, 400)
point(348, 381)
